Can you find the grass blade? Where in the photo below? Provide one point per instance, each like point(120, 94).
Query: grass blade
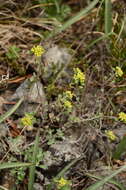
point(108, 16)
point(105, 36)
point(11, 111)
point(66, 168)
point(119, 185)
point(74, 19)
point(122, 29)
point(32, 168)
point(14, 165)
point(106, 179)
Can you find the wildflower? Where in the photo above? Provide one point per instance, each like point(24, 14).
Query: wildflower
point(68, 94)
point(28, 120)
point(122, 116)
point(62, 182)
point(38, 50)
point(118, 72)
point(79, 76)
point(65, 100)
point(110, 135)
point(67, 104)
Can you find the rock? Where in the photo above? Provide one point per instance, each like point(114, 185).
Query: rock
point(37, 186)
point(61, 151)
point(33, 92)
point(56, 59)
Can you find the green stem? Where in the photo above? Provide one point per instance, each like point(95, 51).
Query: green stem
point(11, 111)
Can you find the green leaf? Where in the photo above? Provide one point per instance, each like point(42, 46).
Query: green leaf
point(121, 148)
point(13, 165)
point(103, 37)
point(13, 52)
point(34, 160)
point(108, 16)
point(106, 179)
point(74, 19)
point(121, 187)
point(11, 111)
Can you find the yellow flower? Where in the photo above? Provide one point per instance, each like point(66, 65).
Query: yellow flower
point(67, 104)
point(38, 50)
point(110, 135)
point(69, 94)
point(118, 72)
point(79, 76)
point(122, 116)
point(62, 182)
point(28, 120)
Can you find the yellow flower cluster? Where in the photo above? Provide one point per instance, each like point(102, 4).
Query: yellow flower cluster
point(38, 50)
point(28, 120)
point(110, 135)
point(67, 104)
point(118, 72)
point(79, 77)
point(66, 100)
point(62, 182)
point(122, 116)
point(69, 94)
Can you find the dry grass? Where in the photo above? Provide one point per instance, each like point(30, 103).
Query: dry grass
point(22, 24)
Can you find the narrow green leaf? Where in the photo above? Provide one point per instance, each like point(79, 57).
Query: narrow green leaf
point(74, 19)
point(119, 185)
point(122, 30)
point(67, 167)
point(103, 37)
point(108, 16)
point(121, 148)
point(106, 179)
point(11, 111)
point(14, 165)
point(34, 158)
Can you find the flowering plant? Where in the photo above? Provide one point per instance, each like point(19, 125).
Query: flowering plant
point(37, 50)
